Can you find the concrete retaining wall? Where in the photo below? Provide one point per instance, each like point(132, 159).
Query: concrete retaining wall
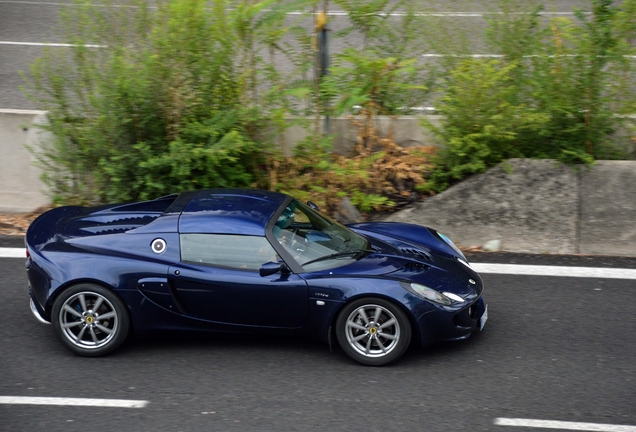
point(529, 205)
point(406, 131)
point(539, 206)
point(21, 189)
point(608, 209)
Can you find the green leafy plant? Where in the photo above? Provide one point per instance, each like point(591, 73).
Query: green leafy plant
point(554, 93)
point(147, 102)
point(482, 126)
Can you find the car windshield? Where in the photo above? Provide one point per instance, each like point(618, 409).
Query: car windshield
point(315, 241)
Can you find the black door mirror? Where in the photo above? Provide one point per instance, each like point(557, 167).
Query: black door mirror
point(271, 268)
point(313, 205)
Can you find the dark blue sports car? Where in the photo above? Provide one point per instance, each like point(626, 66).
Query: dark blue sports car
point(245, 260)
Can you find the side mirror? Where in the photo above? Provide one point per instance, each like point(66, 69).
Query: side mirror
point(313, 205)
point(271, 268)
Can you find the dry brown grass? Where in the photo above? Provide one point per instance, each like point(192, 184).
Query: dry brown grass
point(17, 223)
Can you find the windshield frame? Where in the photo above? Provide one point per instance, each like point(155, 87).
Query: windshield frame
point(286, 256)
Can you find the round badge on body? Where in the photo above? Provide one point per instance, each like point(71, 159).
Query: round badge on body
point(158, 245)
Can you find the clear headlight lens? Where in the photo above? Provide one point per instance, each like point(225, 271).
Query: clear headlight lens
point(435, 296)
point(454, 297)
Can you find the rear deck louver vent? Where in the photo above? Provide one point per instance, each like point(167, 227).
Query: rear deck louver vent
point(113, 224)
point(109, 229)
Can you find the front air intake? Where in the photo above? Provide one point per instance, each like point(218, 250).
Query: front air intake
point(414, 252)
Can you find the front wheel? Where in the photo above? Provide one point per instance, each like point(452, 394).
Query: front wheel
point(373, 331)
point(90, 320)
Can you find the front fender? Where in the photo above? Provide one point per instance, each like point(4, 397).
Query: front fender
point(417, 234)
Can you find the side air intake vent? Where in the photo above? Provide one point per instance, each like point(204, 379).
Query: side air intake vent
point(411, 269)
point(416, 267)
point(414, 252)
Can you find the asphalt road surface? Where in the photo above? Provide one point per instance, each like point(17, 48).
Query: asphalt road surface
point(554, 348)
point(27, 26)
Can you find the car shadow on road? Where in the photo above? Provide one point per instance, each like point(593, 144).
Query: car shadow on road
point(225, 347)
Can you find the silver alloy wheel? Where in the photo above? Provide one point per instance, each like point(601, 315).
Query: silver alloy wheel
point(88, 319)
point(372, 330)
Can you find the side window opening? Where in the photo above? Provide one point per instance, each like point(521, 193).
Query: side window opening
point(230, 251)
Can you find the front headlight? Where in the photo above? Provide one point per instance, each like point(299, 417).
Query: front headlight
point(427, 293)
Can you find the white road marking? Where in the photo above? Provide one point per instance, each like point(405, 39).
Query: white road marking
point(541, 270)
point(443, 14)
point(47, 44)
point(112, 403)
point(427, 55)
point(12, 253)
point(329, 13)
point(563, 425)
point(20, 111)
point(436, 55)
point(70, 4)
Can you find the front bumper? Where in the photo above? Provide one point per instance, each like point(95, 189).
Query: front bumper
point(441, 325)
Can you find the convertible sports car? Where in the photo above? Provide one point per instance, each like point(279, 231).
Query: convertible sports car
point(246, 260)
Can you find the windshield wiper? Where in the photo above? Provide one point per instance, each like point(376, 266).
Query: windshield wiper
point(338, 254)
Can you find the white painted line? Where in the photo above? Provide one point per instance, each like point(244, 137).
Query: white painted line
point(427, 55)
point(330, 13)
point(20, 111)
point(71, 4)
point(47, 44)
point(12, 253)
point(563, 425)
point(540, 270)
point(442, 14)
point(435, 55)
point(113, 403)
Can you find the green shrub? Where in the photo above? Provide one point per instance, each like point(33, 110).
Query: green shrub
point(170, 99)
point(151, 101)
point(482, 126)
point(555, 92)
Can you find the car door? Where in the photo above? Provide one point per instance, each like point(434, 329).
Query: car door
point(218, 280)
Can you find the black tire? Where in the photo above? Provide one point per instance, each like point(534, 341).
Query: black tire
point(382, 339)
point(84, 329)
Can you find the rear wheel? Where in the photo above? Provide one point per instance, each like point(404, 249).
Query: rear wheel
point(373, 331)
point(90, 320)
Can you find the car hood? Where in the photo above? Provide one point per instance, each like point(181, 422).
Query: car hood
point(437, 272)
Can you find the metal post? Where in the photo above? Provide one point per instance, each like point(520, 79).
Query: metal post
point(323, 58)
